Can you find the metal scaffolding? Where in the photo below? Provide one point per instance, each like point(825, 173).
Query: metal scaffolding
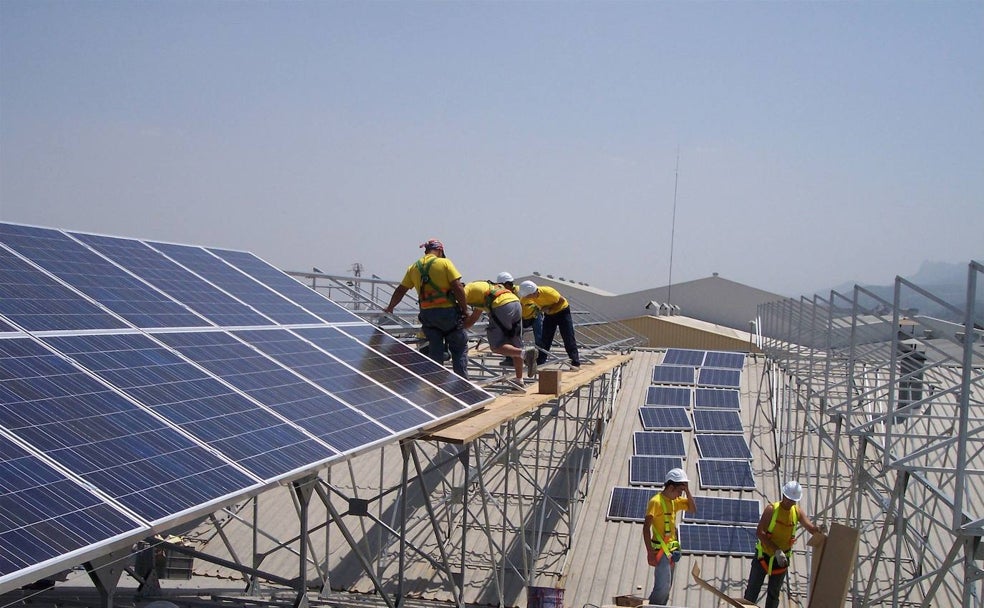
point(881, 409)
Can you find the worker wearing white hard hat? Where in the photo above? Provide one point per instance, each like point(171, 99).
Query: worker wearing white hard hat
point(556, 315)
point(532, 318)
point(659, 532)
point(776, 534)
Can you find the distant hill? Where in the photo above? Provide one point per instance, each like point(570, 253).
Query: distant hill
point(947, 281)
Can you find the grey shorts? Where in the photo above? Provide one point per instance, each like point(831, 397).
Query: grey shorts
point(509, 316)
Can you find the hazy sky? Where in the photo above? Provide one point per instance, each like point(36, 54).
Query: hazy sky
point(819, 142)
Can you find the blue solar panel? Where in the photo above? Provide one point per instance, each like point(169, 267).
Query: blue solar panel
point(648, 443)
point(725, 399)
point(725, 474)
point(665, 418)
point(174, 280)
point(727, 447)
point(717, 421)
point(96, 277)
point(344, 381)
point(715, 358)
point(425, 367)
point(629, 504)
point(712, 376)
point(710, 539)
point(44, 515)
point(342, 426)
point(651, 470)
point(240, 285)
point(718, 510)
point(384, 371)
point(94, 432)
point(310, 300)
point(683, 356)
point(37, 302)
point(673, 374)
point(235, 426)
point(668, 395)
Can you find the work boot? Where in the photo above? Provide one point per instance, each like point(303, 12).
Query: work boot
point(529, 358)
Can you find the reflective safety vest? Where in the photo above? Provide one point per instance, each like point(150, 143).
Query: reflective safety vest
point(760, 550)
point(665, 544)
point(429, 293)
point(495, 290)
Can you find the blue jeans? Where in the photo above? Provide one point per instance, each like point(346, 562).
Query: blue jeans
point(755, 579)
point(442, 328)
point(662, 578)
point(551, 323)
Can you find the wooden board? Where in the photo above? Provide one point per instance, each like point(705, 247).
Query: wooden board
point(505, 408)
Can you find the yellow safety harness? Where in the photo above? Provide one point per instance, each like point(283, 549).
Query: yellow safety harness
point(666, 546)
point(760, 550)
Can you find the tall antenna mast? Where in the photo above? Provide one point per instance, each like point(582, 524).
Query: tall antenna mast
point(676, 179)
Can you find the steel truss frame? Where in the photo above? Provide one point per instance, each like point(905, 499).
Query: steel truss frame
point(882, 412)
point(486, 519)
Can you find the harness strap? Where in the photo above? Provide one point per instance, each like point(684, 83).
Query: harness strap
point(665, 545)
point(433, 294)
point(767, 564)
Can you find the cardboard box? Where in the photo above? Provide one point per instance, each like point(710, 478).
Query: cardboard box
point(834, 557)
point(550, 380)
point(633, 601)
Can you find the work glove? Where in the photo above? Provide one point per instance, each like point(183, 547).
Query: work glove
point(780, 559)
point(675, 556)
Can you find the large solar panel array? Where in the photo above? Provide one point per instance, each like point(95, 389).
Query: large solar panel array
point(144, 384)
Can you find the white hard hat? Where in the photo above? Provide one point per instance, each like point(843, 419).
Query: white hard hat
point(504, 277)
point(676, 476)
point(527, 288)
point(792, 490)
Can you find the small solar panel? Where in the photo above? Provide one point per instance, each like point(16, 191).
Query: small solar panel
point(712, 376)
point(683, 356)
point(673, 374)
point(719, 510)
point(716, 358)
point(669, 395)
point(665, 418)
point(713, 539)
point(717, 421)
point(649, 443)
point(726, 399)
point(725, 474)
point(726, 447)
point(651, 470)
point(629, 504)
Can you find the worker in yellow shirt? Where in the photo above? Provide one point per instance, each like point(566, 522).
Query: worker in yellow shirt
point(659, 531)
point(505, 328)
point(556, 315)
point(443, 309)
point(776, 534)
point(532, 317)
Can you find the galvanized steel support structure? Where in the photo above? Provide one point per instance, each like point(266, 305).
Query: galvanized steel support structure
point(881, 411)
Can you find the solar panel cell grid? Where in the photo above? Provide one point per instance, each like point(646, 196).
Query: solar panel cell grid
point(310, 300)
point(717, 398)
point(174, 280)
point(665, 419)
point(724, 359)
point(241, 286)
point(224, 419)
point(342, 426)
point(720, 510)
point(726, 447)
point(629, 504)
point(711, 539)
point(94, 432)
point(683, 356)
point(717, 421)
point(648, 443)
point(651, 470)
point(668, 395)
point(727, 378)
point(44, 515)
point(673, 374)
point(725, 474)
